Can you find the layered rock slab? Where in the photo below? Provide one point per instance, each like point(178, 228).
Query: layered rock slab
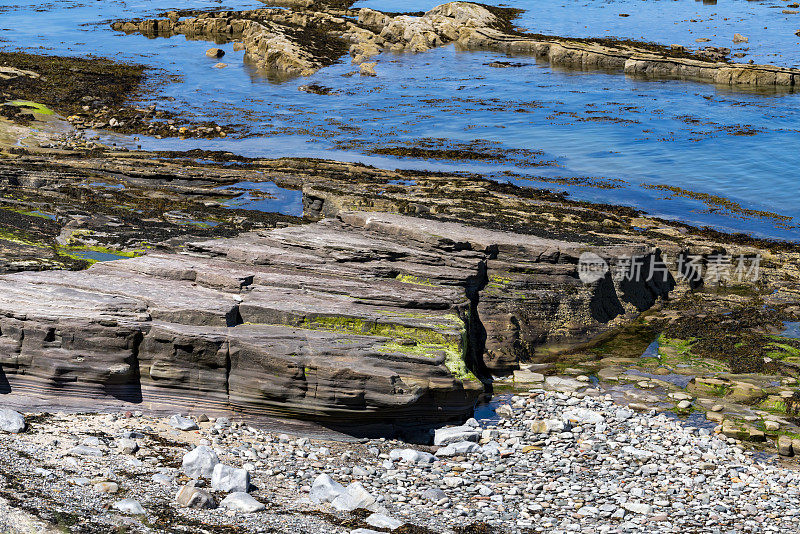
point(370, 317)
point(286, 339)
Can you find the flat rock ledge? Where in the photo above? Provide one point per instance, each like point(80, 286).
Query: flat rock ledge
point(301, 40)
point(364, 319)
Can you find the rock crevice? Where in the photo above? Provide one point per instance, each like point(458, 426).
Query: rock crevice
point(367, 317)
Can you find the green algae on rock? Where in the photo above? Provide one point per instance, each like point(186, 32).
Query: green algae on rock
point(497, 284)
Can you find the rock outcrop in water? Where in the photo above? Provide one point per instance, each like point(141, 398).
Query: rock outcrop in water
point(293, 43)
point(307, 37)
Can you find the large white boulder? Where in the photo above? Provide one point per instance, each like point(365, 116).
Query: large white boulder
point(582, 416)
point(446, 436)
point(325, 489)
point(11, 421)
point(200, 462)
point(383, 521)
point(129, 506)
point(411, 456)
point(355, 496)
point(182, 423)
point(229, 479)
point(458, 449)
point(243, 502)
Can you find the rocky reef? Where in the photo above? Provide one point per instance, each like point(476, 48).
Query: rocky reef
point(307, 36)
point(397, 295)
point(373, 297)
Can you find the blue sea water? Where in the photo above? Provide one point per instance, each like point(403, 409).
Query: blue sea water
point(566, 130)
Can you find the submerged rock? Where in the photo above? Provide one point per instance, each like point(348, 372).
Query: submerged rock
point(317, 89)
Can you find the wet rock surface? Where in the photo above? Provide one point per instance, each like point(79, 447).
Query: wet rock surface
point(305, 38)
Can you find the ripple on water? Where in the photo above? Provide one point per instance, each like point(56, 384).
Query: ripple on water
point(791, 329)
point(694, 419)
point(485, 412)
point(673, 378)
point(266, 196)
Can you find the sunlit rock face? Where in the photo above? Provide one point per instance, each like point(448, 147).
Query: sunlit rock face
point(366, 317)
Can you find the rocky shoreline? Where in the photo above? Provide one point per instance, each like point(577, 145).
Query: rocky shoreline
point(552, 462)
point(387, 304)
point(374, 315)
point(515, 325)
point(306, 37)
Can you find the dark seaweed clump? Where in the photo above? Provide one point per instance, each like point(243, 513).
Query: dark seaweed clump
point(64, 82)
point(736, 337)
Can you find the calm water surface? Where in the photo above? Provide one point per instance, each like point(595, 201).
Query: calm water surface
point(542, 126)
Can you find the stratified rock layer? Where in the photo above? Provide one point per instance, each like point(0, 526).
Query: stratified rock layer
point(367, 317)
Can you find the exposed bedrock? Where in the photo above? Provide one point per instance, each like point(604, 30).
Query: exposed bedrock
point(287, 42)
point(368, 317)
point(306, 37)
